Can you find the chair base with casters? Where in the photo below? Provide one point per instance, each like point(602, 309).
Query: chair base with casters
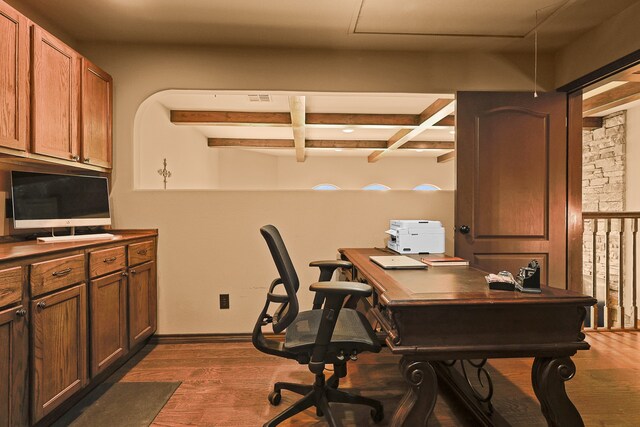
point(331, 335)
point(320, 394)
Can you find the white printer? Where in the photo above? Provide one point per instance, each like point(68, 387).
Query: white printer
point(416, 236)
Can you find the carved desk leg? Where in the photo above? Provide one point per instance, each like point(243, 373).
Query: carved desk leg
point(417, 404)
point(548, 377)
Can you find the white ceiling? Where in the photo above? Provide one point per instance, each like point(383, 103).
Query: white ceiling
point(435, 25)
point(315, 103)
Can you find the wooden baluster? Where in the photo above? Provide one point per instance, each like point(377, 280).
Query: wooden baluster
point(594, 274)
point(607, 274)
point(634, 279)
point(621, 276)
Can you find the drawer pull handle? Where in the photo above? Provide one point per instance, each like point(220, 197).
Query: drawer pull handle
point(142, 252)
point(109, 260)
point(62, 272)
point(133, 272)
point(41, 304)
point(22, 312)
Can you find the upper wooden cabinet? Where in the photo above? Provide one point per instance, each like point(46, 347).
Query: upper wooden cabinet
point(97, 88)
point(54, 104)
point(14, 63)
point(55, 92)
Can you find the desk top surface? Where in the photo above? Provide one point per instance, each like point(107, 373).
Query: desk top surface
point(456, 285)
point(23, 249)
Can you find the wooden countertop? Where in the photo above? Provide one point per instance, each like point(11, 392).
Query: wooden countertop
point(23, 249)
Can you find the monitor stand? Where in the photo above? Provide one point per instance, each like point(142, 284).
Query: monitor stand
point(74, 238)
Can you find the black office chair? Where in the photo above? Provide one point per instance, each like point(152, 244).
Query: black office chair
point(330, 335)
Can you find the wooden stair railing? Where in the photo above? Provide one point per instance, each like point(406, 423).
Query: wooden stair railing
point(599, 228)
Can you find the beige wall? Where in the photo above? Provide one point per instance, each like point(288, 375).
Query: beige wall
point(209, 240)
point(609, 41)
point(210, 244)
point(632, 202)
point(353, 173)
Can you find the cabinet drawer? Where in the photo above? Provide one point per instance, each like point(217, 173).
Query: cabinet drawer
point(48, 276)
point(106, 261)
point(10, 286)
point(141, 252)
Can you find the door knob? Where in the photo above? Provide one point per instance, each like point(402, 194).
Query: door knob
point(464, 229)
point(22, 312)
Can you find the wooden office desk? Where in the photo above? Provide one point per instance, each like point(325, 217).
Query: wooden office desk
point(439, 319)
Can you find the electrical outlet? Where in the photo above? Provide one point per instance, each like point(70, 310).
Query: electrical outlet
point(224, 301)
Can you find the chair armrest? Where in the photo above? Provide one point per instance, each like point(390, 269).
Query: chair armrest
point(327, 269)
point(342, 288)
point(332, 263)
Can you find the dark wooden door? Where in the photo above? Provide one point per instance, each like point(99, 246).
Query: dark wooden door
point(14, 344)
point(511, 199)
point(108, 321)
point(14, 51)
point(142, 302)
point(59, 349)
point(96, 115)
point(55, 91)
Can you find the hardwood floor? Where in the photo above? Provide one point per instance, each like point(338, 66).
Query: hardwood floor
point(227, 385)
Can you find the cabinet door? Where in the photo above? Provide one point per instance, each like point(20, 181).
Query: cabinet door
point(59, 348)
point(14, 341)
point(55, 92)
point(96, 115)
point(108, 321)
point(14, 51)
point(142, 302)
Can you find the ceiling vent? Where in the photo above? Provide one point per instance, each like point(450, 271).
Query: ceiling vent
point(260, 98)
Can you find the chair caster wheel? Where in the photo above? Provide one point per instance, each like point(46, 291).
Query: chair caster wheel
point(377, 415)
point(275, 397)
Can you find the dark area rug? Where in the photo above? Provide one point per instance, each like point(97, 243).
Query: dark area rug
point(120, 404)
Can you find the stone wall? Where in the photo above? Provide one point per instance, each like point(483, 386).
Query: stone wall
point(603, 190)
point(603, 165)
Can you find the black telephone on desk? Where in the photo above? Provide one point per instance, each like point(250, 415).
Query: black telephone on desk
point(527, 280)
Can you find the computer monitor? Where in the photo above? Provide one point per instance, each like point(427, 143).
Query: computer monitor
point(53, 200)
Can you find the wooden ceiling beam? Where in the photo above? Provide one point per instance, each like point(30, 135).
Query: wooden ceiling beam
point(239, 118)
point(325, 143)
point(182, 117)
point(629, 75)
point(297, 108)
point(614, 97)
point(362, 119)
point(435, 112)
point(450, 120)
point(250, 143)
point(446, 157)
point(591, 123)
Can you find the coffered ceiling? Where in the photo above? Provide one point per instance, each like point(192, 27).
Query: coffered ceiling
point(298, 124)
point(434, 25)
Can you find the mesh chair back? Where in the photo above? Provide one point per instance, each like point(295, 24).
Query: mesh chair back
point(288, 311)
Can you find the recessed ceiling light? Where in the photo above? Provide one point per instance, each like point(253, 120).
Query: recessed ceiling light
point(452, 132)
point(338, 149)
point(347, 130)
point(420, 150)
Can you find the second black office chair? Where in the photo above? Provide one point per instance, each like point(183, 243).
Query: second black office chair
point(331, 335)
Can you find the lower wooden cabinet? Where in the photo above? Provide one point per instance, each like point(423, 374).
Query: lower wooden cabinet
point(59, 348)
point(142, 302)
point(14, 343)
point(108, 312)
